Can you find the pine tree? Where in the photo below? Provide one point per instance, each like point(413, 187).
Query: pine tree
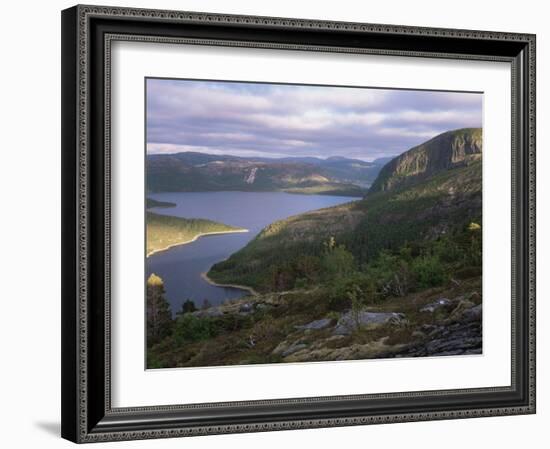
point(188, 306)
point(159, 316)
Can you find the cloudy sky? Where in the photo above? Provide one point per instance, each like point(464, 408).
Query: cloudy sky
point(273, 120)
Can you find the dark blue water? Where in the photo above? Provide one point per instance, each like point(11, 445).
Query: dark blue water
point(180, 267)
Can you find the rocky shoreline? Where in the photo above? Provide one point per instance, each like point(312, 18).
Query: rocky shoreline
point(240, 287)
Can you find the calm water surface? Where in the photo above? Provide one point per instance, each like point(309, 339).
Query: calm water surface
point(181, 267)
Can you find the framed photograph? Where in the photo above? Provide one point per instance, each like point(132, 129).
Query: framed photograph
point(283, 223)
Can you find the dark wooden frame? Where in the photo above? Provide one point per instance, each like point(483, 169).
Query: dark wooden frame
point(87, 32)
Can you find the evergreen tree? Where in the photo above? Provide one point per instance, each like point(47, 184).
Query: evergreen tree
point(159, 316)
point(188, 307)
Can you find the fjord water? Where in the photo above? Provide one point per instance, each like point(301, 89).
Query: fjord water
point(181, 266)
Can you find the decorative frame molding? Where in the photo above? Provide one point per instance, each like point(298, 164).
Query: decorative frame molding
point(88, 32)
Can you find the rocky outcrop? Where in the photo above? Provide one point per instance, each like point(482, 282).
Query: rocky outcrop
point(315, 325)
point(369, 350)
point(350, 322)
point(439, 326)
point(241, 307)
point(459, 334)
point(455, 329)
point(472, 314)
point(462, 307)
point(284, 349)
point(443, 152)
point(440, 303)
point(459, 338)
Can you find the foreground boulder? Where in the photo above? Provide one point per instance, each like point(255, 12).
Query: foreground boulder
point(315, 325)
point(460, 334)
point(285, 348)
point(432, 307)
point(350, 322)
point(472, 314)
point(461, 311)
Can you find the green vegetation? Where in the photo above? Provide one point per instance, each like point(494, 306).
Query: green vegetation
point(410, 251)
point(164, 231)
point(401, 281)
point(448, 199)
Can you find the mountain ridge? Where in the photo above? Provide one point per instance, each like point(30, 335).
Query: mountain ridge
point(193, 171)
point(444, 151)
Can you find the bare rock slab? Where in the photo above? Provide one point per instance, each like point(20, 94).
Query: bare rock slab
point(315, 325)
point(350, 322)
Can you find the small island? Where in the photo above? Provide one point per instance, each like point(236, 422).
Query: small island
point(164, 231)
point(150, 203)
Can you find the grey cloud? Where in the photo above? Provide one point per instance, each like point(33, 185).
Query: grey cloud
point(264, 119)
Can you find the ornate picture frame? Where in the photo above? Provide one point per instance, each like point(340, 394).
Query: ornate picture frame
point(88, 33)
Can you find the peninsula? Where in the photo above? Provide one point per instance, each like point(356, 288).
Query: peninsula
point(165, 231)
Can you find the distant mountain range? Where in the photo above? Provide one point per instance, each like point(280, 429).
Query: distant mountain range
point(192, 171)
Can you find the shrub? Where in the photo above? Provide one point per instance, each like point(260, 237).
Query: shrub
point(190, 328)
point(447, 250)
point(187, 307)
point(473, 226)
point(337, 261)
point(391, 274)
point(357, 298)
point(333, 316)
point(301, 283)
point(428, 271)
point(153, 361)
point(359, 288)
point(307, 268)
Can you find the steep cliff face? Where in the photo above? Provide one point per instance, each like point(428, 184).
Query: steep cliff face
point(448, 150)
